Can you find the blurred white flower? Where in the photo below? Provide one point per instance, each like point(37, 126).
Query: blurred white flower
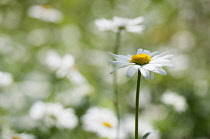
point(45, 13)
point(175, 100)
point(130, 25)
point(64, 66)
point(5, 79)
point(53, 114)
point(75, 95)
point(144, 61)
point(103, 122)
point(144, 127)
point(20, 136)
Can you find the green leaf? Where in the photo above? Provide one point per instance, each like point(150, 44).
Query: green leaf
point(146, 135)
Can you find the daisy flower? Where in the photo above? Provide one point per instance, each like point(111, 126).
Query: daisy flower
point(5, 79)
point(175, 100)
point(45, 13)
point(64, 67)
point(53, 115)
point(130, 25)
point(145, 61)
point(20, 136)
point(103, 122)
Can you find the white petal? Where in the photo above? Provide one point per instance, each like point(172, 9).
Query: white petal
point(153, 53)
point(118, 62)
point(129, 56)
point(150, 67)
point(168, 57)
point(120, 57)
point(139, 51)
point(146, 52)
point(118, 67)
point(160, 71)
point(135, 29)
point(120, 21)
point(104, 24)
point(159, 61)
point(160, 55)
point(132, 70)
point(168, 65)
point(136, 21)
point(145, 73)
point(163, 62)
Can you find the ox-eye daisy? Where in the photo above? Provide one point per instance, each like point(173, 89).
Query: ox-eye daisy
point(53, 115)
point(103, 122)
point(144, 62)
point(130, 25)
point(147, 62)
point(45, 13)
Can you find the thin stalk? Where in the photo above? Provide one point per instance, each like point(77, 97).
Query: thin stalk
point(137, 105)
point(116, 99)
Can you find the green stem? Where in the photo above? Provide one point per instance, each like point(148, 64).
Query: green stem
point(116, 50)
point(137, 104)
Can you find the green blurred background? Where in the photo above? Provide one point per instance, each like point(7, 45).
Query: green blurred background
point(180, 26)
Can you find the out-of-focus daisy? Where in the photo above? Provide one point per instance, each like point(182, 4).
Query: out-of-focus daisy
point(144, 127)
point(45, 13)
point(175, 100)
point(74, 96)
point(5, 79)
point(130, 25)
point(145, 61)
point(102, 122)
point(53, 115)
point(64, 66)
point(20, 136)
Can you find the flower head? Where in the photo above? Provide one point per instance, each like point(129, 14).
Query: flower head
point(64, 66)
point(5, 79)
point(53, 115)
point(45, 13)
point(101, 121)
point(130, 25)
point(20, 136)
point(145, 61)
point(175, 100)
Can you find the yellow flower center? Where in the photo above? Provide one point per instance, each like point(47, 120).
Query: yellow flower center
point(16, 137)
point(107, 124)
point(140, 59)
point(46, 6)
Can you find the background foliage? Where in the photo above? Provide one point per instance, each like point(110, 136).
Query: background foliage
point(180, 26)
